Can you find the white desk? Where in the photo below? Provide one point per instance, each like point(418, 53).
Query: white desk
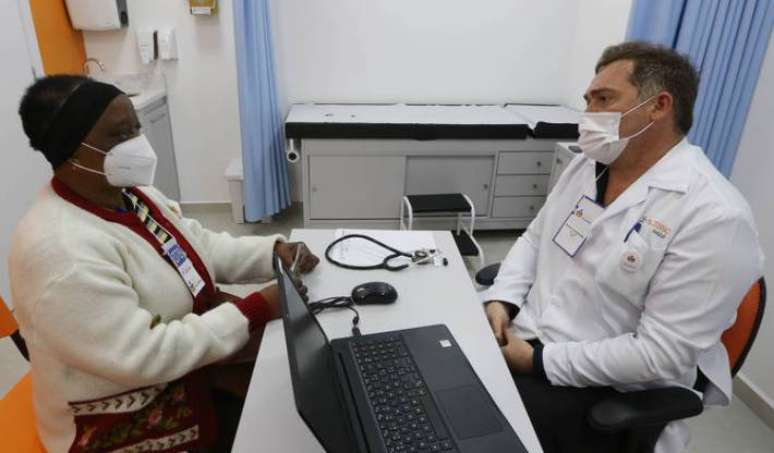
point(427, 295)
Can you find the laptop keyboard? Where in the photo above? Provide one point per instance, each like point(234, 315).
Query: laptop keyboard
point(405, 412)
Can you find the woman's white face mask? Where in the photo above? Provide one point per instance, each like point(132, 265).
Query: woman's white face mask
point(128, 164)
point(599, 131)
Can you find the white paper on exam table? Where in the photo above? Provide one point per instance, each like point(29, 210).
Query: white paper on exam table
point(533, 114)
point(358, 252)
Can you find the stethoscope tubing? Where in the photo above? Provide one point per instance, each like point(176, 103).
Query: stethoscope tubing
point(385, 264)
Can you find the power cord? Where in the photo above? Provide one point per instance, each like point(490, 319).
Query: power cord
point(337, 302)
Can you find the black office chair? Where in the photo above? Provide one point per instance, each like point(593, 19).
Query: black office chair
point(644, 414)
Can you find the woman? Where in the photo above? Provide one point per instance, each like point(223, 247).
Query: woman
point(115, 290)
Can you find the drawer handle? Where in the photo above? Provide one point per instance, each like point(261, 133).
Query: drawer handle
point(486, 187)
point(559, 161)
point(534, 186)
point(532, 208)
point(539, 164)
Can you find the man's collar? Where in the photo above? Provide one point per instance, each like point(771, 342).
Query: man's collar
point(669, 172)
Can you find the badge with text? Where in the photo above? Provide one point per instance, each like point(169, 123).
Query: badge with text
point(576, 227)
point(184, 266)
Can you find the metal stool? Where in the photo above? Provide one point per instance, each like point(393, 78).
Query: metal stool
point(450, 203)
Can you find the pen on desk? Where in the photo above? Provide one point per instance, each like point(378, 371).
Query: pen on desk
point(636, 228)
point(295, 260)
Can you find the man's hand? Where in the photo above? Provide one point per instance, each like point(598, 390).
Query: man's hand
point(499, 319)
point(287, 252)
point(518, 353)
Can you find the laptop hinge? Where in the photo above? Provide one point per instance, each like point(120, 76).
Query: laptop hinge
point(345, 387)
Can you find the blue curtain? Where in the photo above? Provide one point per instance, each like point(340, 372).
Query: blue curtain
point(726, 40)
point(266, 188)
point(656, 21)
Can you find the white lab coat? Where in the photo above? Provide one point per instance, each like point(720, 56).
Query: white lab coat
point(650, 321)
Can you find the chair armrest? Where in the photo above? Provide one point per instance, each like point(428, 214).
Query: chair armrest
point(644, 408)
point(486, 275)
point(21, 345)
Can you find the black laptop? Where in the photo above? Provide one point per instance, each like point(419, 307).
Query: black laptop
point(406, 391)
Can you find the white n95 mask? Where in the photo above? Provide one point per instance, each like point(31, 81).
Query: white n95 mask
point(128, 164)
point(599, 131)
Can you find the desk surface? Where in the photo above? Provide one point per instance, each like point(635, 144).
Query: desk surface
point(427, 295)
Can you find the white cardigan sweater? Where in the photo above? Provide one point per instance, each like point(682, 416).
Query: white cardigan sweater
point(86, 291)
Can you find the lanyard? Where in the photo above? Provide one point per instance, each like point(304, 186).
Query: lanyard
point(173, 251)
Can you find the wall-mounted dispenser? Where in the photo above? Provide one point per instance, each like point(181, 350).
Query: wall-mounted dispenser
point(146, 45)
point(167, 43)
point(203, 7)
point(98, 15)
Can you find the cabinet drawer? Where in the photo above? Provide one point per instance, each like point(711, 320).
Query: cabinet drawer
point(521, 185)
point(517, 206)
point(525, 163)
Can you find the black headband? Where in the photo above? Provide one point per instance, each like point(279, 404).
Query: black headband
point(74, 120)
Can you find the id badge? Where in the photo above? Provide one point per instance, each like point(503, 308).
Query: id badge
point(184, 266)
point(575, 229)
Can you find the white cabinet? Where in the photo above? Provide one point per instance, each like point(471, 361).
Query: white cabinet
point(518, 207)
point(360, 182)
point(564, 153)
point(521, 184)
point(436, 175)
point(157, 126)
point(355, 187)
point(524, 163)
point(358, 161)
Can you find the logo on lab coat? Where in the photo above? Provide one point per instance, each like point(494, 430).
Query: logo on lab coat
point(658, 227)
point(631, 260)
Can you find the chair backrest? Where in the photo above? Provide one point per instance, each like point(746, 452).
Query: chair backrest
point(739, 338)
point(7, 322)
point(9, 328)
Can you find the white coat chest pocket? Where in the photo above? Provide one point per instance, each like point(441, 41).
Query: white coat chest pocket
point(628, 268)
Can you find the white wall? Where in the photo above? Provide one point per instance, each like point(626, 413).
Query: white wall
point(202, 87)
point(434, 51)
point(752, 175)
point(441, 51)
point(599, 23)
point(23, 171)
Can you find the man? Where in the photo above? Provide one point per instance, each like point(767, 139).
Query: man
point(635, 265)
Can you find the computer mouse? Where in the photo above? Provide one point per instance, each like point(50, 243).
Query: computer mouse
point(374, 293)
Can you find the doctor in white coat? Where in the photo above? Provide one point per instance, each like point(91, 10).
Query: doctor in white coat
point(635, 265)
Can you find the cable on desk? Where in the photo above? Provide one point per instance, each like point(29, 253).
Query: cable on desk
point(337, 302)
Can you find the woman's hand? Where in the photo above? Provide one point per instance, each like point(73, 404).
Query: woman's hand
point(271, 295)
point(287, 251)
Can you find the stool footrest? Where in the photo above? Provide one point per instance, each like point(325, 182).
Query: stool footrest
point(465, 243)
point(449, 202)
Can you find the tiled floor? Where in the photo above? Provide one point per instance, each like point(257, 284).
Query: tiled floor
point(734, 429)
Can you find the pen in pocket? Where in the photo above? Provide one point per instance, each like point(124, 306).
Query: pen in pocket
point(636, 228)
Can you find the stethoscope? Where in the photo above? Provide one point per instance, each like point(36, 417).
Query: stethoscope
point(416, 257)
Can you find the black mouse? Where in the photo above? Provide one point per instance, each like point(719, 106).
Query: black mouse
point(374, 293)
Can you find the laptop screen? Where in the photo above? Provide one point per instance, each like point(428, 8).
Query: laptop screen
point(312, 370)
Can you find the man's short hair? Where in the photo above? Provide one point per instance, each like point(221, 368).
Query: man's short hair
point(658, 68)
